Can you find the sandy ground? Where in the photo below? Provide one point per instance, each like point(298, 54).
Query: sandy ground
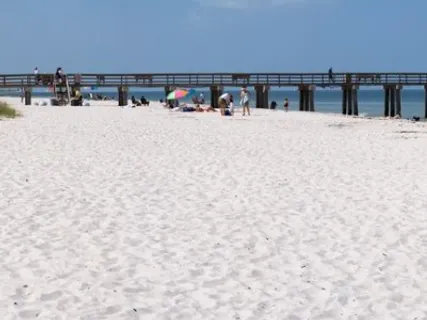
point(115, 213)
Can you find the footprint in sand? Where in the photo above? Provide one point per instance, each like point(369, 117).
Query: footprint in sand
point(51, 296)
point(28, 314)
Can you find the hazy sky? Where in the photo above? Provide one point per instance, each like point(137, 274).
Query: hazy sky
point(213, 35)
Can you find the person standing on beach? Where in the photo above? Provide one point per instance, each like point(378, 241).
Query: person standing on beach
point(244, 101)
point(286, 105)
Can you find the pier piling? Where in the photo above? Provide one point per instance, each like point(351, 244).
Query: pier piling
point(398, 101)
point(301, 98)
point(27, 96)
point(386, 101)
point(392, 101)
point(306, 98)
point(261, 93)
point(350, 101)
point(344, 100)
point(216, 92)
point(355, 102)
point(311, 98)
point(123, 96)
point(425, 101)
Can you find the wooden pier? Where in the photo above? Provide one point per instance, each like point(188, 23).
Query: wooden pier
point(261, 82)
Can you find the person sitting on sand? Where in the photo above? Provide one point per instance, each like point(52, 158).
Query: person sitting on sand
point(229, 110)
point(223, 102)
point(144, 101)
point(204, 109)
point(135, 102)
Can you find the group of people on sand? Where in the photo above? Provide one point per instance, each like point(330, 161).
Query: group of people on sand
point(226, 103)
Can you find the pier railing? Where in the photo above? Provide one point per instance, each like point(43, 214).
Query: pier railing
point(221, 79)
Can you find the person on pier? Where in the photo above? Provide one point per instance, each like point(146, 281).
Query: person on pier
point(59, 75)
point(331, 75)
point(37, 77)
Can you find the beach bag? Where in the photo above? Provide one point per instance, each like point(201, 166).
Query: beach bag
point(245, 99)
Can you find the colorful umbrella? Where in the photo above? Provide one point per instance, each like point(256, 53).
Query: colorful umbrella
point(179, 94)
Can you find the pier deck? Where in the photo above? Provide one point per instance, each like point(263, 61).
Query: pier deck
point(221, 79)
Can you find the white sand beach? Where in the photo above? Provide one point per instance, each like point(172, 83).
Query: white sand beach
point(116, 213)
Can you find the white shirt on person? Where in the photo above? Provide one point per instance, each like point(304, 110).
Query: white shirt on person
point(225, 96)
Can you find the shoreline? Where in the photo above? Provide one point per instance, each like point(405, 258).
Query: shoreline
point(16, 101)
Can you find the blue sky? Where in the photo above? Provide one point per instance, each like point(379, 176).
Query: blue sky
point(213, 35)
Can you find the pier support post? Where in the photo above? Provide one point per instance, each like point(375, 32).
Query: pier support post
point(311, 98)
point(355, 101)
point(216, 92)
point(344, 100)
point(306, 98)
point(399, 101)
point(425, 101)
point(350, 101)
point(392, 101)
point(301, 98)
point(27, 96)
point(123, 96)
point(261, 93)
point(386, 101)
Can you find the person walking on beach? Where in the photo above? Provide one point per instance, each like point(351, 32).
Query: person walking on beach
point(286, 105)
point(244, 101)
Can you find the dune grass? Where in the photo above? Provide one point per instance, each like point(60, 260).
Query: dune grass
point(7, 111)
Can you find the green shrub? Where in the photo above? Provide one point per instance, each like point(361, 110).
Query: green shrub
point(7, 111)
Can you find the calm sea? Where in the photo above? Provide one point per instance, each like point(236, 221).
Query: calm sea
point(371, 101)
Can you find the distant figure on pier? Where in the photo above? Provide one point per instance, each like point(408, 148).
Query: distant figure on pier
point(331, 75)
point(37, 75)
point(59, 75)
point(286, 105)
point(244, 101)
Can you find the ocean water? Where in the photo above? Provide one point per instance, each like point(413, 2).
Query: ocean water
point(371, 101)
